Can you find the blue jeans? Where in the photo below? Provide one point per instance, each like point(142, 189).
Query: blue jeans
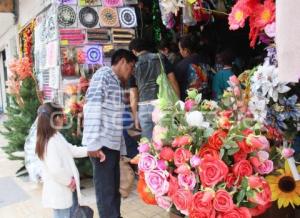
point(107, 184)
point(145, 118)
point(62, 213)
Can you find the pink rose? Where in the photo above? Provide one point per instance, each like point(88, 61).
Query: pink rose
point(255, 162)
point(181, 156)
point(157, 182)
point(157, 115)
point(262, 156)
point(223, 201)
point(182, 200)
point(147, 162)
point(164, 202)
point(195, 161)
point(234, 80)
point(182, 169)
point(187, 180)
point(189, 104)
point(258, 142)
point(264, 197)
point(265, 145)
point(287, 152)
point(242, 168)
point(241, 212)
point(158, 135)
point(265, 168)
point(173, 186)
point(212, 171)
point(161, 164)
point(236, 91)
point(182, 141)
point(203, 199)
point(144, 148)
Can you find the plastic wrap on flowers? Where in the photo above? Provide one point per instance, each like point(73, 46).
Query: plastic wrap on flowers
point(211, 166)
point(32, 162)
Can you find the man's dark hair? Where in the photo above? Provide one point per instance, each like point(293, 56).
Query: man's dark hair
point(188, 42)
point(123, 53)
point(138, 45)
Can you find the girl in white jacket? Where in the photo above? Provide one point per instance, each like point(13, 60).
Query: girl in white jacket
point(60, 175)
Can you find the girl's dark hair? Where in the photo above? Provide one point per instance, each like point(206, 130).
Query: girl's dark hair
point(189, 42)
point(46, 126)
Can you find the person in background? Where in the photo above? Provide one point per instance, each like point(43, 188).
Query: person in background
point(169, 51)
point(143, 86)
point(185, 70)
point(220, 80)
point(60, 175)
point(103, 129)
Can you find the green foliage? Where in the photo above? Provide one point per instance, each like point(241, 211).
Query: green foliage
point(20, 118)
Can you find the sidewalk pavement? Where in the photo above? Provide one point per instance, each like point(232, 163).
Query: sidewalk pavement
point(20, 198)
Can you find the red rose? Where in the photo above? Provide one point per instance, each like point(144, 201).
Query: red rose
point(205, 150)
point(264, 197)
point(242, 168)
point(244, 147)
point(166, 153)
point(182, 200)
point(202, 199)
point(223, 201)
point(202, 213)
point(244, 212)
point(216, 140)
point(240, 155)
point(181, 156)
point(173, 186)
point(182, 141)
point(259, 209)
point(246, 132)
point(255, 181)
point(224, 123)
point(212, 171)
point(231, 179)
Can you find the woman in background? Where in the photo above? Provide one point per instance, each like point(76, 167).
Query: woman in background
point(60, 174)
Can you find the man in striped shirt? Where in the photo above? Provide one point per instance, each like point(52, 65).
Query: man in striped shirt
point(103, 129)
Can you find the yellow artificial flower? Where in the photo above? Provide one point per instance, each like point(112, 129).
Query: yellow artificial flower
point(284, 188)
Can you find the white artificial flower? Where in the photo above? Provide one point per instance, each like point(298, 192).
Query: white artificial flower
point(258, 107)
point(265, 82)
point(181, 105)
point(195, 119)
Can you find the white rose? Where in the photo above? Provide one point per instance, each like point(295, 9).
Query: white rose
point(195, 119)
point(181, 104)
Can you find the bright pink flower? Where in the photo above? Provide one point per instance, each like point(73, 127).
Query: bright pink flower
point(183, 169)
point(166, 153)
point(223, 201)
point(161, 164)
point(187, 180)
point(181, 156)
point(182, 200)
point(234, 80)
point(147, 162)
point(242, 168)
point(265, 168)
point(189, 104)
point(239, 13)
point(164, 202)
point(157, 182)
point(287, 152)
point(195, 161)
point(254, 181)
point(144, 148)
point(157, 115)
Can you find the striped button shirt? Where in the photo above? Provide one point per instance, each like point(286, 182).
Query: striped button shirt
point(103, 112)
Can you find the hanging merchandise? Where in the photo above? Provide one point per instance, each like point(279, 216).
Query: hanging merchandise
point(66, 16)
point(122, 36)
point(99, 36)
point(54, 77)
point(108, 17)
point(156, 19)
point(89, 2)
point(187, 15)
point(72, 36)
point(127, 17)
point(112, 3)
point(52, 54)
point(67, 2)
point(94, 54)
point(88, 17)
point(202, 11)
point(170, 6)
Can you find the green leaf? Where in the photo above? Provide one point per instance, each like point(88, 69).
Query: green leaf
point(232, 151)
point(192, 93)
point(208, 132)
point(198, 98)
point(244, 183)
point(240, 196)
point(250, 194)
point(222, 152)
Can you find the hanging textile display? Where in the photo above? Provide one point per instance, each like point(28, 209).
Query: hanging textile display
point(72, 36)
point(66, 16)
point(94, 54)
point(99, 36)
point(127, 17)
point(67, 2)
point(122, 36)
point(112, 3)
point(188, 16)
point(89, 2)
point(130, 2)
point(108, 17)
point(88, 17)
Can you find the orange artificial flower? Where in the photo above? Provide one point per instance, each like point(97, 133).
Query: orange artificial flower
point(144, 191)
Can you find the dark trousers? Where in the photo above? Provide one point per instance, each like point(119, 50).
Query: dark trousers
point(107, 183)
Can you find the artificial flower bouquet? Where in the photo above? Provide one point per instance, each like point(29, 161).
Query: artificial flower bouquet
point(207, 159)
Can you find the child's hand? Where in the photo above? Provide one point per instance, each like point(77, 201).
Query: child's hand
point(72, 185)
point(97, 154)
